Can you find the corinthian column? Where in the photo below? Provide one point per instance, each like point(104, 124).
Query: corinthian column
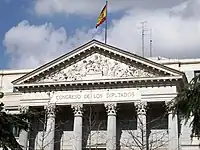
point(111, 126)
point(141, 123)
point(50, 128)
point(23, 136)
point(77, 138)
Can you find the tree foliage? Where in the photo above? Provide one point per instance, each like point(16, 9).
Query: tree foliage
point(7, 139)
point(187, 105)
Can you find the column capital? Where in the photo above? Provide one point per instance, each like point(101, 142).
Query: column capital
point(141, 108)
point(23, 109)
point(50, 109)
point(78, 109)
point(111, 108)
point(168, 104)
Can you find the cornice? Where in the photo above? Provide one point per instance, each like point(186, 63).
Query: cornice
point(15, 72)
point(152, 81)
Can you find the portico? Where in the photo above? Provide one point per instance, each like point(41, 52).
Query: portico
point(111, 133)
point(110, 82)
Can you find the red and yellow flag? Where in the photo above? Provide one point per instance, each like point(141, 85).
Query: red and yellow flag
point(102, 16)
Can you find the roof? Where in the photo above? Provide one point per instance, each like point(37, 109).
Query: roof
point(74, 54)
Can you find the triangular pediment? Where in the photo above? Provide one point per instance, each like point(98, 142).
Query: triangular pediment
point(96, 61)
point(95, 67)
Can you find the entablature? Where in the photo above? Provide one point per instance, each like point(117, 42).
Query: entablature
point(99, 84)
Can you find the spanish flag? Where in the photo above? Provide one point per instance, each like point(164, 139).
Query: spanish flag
point(102, 16)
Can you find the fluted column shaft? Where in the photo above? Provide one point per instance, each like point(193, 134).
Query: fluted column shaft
point(23, 136)
point(111, 126)
point(141, 123)
point(50, 128)
point(77, 138)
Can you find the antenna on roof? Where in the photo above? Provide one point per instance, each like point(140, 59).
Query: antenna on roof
point(150, 43)
point(143, 36)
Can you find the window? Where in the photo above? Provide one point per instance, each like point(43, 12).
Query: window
point(156, 116)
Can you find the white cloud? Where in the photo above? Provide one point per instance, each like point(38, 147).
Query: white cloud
point(31, 45)
point(174, 35)
point(77, 7)
point(92, 7)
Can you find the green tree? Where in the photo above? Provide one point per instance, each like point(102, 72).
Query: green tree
point(187, 105)
point(7, 139)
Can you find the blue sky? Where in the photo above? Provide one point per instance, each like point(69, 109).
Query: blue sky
point(33, 32)
point(10, 15)
point(13, 12)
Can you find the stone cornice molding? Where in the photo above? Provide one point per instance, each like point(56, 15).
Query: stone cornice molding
point(145, 81)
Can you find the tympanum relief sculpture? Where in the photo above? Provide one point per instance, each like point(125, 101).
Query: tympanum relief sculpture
point(97, 66)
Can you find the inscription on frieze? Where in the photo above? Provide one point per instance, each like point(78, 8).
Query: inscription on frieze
point(97, 95)
point(97, 66)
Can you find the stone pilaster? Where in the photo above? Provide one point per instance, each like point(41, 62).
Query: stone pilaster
point(23, 135)
point(173, 131)
point(50, 127)
point(141, 123)
point(77, 138)
point(111, 126)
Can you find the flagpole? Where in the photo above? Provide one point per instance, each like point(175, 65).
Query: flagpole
point(106, 23)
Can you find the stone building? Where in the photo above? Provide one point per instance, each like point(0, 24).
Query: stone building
point(99, 97)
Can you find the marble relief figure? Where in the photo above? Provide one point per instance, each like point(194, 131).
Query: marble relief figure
point(99, 66)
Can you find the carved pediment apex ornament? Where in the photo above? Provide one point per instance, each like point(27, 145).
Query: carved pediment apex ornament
point(51, 109)
point(111, 108)
point(78, 109)
point(141, 108)
point(97, 66)
point(23, 109)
